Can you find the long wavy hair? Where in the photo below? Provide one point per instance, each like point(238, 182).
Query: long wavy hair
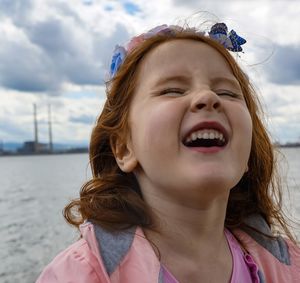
point(113, 198)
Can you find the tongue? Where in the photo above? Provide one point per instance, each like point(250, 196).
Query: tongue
point(205, 143)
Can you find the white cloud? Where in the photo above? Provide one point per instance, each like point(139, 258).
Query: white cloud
point(58, 52)
point(281, 103)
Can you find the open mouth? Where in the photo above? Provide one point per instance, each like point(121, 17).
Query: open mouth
point(205, 138)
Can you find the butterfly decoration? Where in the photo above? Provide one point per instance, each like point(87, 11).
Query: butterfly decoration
point(117, 60)
point(231, 41)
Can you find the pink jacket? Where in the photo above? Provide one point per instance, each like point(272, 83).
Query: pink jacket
point(127, 257)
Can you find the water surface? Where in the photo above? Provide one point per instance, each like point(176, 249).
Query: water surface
point(33, 192)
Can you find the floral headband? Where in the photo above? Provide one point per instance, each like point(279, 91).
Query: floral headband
point(218, 32)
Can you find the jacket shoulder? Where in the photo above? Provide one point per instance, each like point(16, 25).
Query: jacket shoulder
point(272, 268)
point(75, 264)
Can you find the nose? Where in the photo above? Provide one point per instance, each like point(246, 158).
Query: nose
point(205, 99)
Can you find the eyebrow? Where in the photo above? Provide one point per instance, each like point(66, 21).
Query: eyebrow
point(186, 80)
point(177, 79)
point(234, 82)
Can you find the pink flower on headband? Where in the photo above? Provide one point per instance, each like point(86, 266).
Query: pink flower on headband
point(157, 30)
point(121, 52)
point(135, 41)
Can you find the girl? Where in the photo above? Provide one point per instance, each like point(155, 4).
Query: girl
point(183, 186)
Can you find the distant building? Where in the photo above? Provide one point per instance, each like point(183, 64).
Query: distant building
point(31, 147)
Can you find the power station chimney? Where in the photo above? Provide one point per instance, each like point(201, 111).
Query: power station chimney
point(50, 129)
point(36, 140)
point(1, 147)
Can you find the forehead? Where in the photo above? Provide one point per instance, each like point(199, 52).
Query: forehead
point(184, 56)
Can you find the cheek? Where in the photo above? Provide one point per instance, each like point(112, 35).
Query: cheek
point(241, 119)
point(155, 128)
point(241, 124)
point(245, 124)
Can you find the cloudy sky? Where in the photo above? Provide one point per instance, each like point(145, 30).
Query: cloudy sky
point(57, 52)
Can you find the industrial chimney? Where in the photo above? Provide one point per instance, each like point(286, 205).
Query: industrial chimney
point(50, 129)
point(36, 140)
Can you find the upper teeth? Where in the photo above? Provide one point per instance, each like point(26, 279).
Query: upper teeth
point(205, 134)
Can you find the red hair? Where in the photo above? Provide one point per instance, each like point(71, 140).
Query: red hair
point(113, 198)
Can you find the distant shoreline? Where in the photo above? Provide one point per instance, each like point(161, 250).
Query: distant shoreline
point(288, 145)
point(75, 151)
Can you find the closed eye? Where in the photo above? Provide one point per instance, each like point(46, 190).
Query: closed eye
point(172, 92)
point(229, 94)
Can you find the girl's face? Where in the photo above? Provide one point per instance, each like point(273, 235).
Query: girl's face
point(190, 127)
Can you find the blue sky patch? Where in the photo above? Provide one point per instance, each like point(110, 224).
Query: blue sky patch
point(87, 2)
point(108, 8)
point(131, 8)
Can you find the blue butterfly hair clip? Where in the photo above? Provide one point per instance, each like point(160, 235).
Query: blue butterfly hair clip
point(232, 41)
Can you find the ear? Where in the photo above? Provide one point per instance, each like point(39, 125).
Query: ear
point(125, 157)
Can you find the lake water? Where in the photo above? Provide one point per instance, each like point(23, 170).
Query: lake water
point(33, 192)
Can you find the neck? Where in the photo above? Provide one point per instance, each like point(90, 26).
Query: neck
point(189, 231)
point(191, 240)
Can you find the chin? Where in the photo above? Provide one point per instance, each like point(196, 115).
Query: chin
point(216, 182)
